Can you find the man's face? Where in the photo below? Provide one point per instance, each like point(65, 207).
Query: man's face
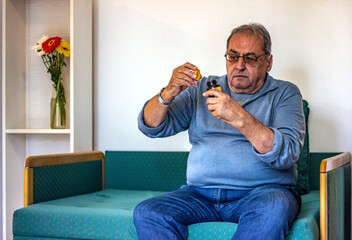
point(243, 77)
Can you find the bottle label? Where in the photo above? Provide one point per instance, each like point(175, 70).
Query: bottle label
point(218, 88)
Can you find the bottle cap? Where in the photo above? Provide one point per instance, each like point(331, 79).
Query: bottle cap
point(212, 83)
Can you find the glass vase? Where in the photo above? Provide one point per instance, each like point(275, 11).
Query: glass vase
point(57, 113)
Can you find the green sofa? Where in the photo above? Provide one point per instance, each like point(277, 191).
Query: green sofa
point(67, 199)
point(91, 195)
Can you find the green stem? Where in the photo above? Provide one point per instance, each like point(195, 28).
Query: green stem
point(62, 101)
point(59, 80)
point(45, 61)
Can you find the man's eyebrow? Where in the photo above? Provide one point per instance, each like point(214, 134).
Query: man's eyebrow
point(233, 51)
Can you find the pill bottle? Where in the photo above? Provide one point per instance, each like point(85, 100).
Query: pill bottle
point(213, 84)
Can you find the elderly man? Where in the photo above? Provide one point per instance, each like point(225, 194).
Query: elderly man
point(245, 142)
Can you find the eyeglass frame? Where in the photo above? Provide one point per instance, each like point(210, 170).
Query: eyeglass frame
point(243, 56)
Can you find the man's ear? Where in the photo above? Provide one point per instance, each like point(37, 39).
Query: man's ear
point(269, 63)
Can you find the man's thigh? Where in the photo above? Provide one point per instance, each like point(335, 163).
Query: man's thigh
point(185, 206)
point(266, 212)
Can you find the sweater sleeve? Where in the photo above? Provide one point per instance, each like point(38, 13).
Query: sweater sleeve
point(288, 125)
point(177, 119)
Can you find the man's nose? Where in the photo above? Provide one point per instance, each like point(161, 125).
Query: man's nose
point(240, 64)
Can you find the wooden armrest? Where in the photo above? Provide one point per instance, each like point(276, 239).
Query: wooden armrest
point(37, 162)
point(62, 158)
point(337, 161)
point(335, 197)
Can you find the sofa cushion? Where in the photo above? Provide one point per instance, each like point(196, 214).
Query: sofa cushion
point(108, 214)
point(302, 184)
point(35, 238)
point(305, 226)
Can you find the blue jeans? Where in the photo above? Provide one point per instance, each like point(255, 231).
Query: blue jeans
point(265, 212)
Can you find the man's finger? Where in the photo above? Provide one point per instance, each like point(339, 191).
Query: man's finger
point(190, 66)
point(212, 93)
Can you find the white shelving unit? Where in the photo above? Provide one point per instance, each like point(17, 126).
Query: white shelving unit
point(26, 89)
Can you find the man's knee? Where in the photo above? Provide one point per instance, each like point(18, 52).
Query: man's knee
point(156, 207)
point(144, 209)
point(275, 205)
point(280, 203)
point(268, 214)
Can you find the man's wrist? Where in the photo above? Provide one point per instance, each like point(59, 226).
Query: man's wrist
point(163, 100)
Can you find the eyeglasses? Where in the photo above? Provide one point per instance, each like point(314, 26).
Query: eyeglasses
point(249, 58)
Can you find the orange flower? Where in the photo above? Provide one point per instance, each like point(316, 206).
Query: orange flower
point(50, 44)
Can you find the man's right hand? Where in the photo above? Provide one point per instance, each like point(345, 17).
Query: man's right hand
point(182, 78)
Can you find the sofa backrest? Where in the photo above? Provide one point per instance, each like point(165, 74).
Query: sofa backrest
point(303, 162)
point(166, 171)
point(158, 171)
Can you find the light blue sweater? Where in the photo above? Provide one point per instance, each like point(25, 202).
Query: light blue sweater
point(221, 157)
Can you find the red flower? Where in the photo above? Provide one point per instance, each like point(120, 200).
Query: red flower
point(50, 44)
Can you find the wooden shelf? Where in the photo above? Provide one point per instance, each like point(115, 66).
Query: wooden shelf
point(38, 131)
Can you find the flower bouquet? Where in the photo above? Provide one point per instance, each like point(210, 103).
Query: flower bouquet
point(53, 52)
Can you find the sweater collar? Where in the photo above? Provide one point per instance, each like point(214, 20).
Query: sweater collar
point(269, 85)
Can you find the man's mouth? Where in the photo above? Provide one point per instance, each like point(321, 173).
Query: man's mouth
point(240, 76)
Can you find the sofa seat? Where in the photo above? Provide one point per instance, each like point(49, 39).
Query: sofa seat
point(108, 214)
point(305, 227)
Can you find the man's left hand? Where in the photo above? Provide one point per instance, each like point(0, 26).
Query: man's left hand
point(223, 107)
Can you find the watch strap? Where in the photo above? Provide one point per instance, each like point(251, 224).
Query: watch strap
point(161, 100)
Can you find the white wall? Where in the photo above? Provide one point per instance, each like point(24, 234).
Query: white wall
point(138, 43)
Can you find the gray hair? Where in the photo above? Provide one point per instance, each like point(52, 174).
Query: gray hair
point(258, 30)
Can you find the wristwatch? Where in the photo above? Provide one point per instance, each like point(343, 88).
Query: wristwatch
point(161, 99)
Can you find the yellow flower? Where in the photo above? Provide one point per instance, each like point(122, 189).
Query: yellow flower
point(64, 48)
